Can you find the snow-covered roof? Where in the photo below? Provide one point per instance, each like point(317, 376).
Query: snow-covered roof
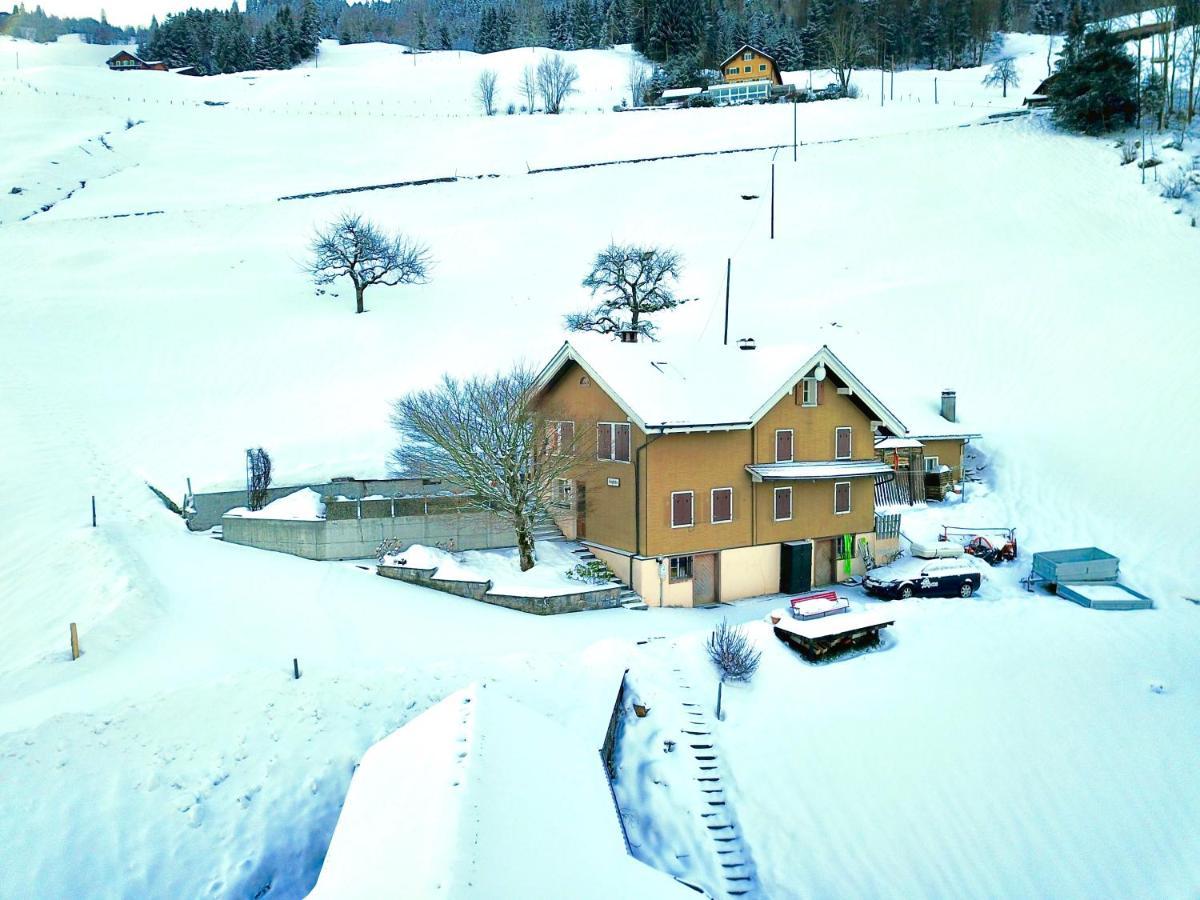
point(813, 629)
point(897, 443)
point(817, 471)
point(673, 93)
point(703, 387)
point(482, 797)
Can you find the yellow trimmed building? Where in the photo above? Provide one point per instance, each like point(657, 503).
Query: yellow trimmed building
point(750, 64)
point(720, 473)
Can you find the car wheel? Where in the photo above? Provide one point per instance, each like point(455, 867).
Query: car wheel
point(966, 590)
point(906, 592)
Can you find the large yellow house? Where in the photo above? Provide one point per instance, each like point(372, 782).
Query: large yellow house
point(720, 473)
point(750, 64)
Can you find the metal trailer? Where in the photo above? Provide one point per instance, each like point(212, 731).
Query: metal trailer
point(1088, 564)
point(1104, 595)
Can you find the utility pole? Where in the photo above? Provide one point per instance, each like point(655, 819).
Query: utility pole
point(772, 201)
point(728, 275)
point(892, 79)
point(795, 131)
point(935, 99)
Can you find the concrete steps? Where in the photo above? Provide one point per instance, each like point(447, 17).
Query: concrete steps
point(628, 597)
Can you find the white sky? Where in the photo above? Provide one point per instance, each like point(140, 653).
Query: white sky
point(120, 12)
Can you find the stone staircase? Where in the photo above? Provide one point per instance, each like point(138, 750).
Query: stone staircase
point(629, 597)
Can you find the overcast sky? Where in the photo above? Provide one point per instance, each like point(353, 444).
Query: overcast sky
point(119, 12)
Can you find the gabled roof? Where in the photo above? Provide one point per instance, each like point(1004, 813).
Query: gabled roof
point(763, 53)
point(664, 388)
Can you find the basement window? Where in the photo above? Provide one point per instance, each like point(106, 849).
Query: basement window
point(681, 568)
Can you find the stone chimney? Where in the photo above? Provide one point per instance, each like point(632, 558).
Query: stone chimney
point(949, 406)
point(746, 344)
point(628, 336)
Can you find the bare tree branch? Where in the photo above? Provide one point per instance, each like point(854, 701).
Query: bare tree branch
point(634, 282)
point(555, 81)
point(485, 91)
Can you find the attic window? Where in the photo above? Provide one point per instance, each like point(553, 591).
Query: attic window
point(584, 381)
point(748, 55)
point(808, 392)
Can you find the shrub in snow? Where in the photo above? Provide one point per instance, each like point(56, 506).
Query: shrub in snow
point(731, 652)
point(485, 91)
point(1128, 150)
point(555, 82)
point(1177, 185)
point(390, 547)
point(258, 477)
point(594, 572)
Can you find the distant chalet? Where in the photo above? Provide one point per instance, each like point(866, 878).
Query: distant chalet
point(750, 64)
point(126, 61)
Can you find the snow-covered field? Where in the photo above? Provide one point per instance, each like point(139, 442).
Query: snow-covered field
point(1010, 746)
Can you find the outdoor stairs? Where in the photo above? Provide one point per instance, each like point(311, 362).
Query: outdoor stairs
point(545, 528)
point(629, 598)
point(696, 739)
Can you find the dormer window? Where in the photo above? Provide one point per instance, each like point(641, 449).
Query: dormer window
point(748, 55)
point(808, 392)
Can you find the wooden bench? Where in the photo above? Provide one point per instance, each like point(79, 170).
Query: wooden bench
point(817, 605)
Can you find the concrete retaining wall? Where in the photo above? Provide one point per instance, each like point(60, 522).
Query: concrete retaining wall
point(212, 505)
point(577, 601)
point(358, 538)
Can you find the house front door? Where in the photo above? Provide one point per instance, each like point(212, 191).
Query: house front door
point(704, 579)
point(824, 559)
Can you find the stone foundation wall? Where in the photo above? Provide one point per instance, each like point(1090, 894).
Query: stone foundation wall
point(576, 601)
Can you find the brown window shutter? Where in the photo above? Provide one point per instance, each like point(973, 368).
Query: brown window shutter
point(566, 435)
point(622, 442)
point(783, 446)
point(681, 510)
point(842, 443)
point(604, 441)
point(820, 392)
point(841, 496)
point(722, 502)
point(783, 504)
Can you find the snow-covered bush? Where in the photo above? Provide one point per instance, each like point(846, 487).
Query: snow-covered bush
point(390, 547)
point(731, 652)
point(594, 572)
point(1177, 185)
point(1128, 150)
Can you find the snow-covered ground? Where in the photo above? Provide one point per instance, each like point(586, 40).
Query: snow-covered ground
point(1008, 746)
point(502, 568)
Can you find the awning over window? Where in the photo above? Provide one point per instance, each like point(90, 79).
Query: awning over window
point(817, 471)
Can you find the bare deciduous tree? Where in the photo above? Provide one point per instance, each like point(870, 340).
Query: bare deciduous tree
point(555, 82)
point(487, 435)
point(529, 88)
point(485, 91)
point(359, 250)
point(635, 282)
point(258, 477)
point(731, 652)
point(845, 41)
point(1003, 72)
point(639, 81)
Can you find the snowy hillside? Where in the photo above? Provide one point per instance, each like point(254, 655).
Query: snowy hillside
point(929, 246)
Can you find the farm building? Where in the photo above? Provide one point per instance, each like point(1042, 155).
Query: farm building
point(129, 62)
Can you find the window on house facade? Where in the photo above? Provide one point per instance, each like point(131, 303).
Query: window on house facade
point(612, 441)
point(722, 505)
point(732, 70)
point(762, 68)
point(783, 504)
point(841, 497)
point(681, 509)
point(562, 434)
point(931, 464)
point(783, 445)
point(842, 442)
point(748, 55)
point(808, 392)
point(681, 568)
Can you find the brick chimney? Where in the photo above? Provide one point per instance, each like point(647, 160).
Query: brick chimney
point(628, 336)
point(746, 344)
point(950, 406)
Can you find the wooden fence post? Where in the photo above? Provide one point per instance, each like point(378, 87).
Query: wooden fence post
point(74, 642)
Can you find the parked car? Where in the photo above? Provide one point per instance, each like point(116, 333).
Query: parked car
point(941, 578)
